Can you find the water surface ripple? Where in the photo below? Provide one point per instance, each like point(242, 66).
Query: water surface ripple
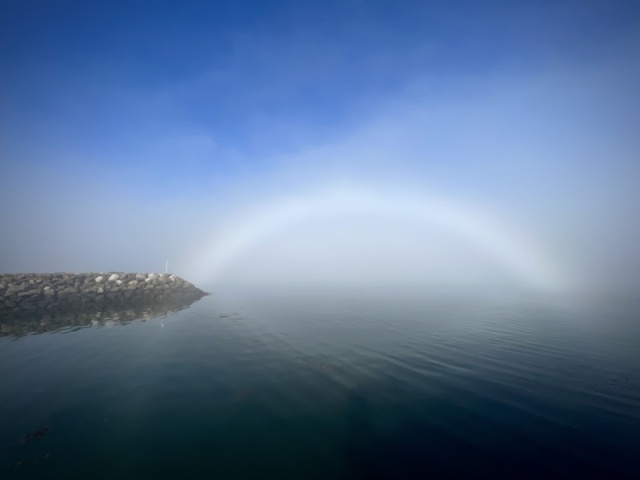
point(330, 384)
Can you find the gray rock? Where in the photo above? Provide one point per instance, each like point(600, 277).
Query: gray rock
point(60, 291)
point(28, 293)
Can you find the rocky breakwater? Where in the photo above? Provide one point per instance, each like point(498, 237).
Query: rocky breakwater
point(26, 292)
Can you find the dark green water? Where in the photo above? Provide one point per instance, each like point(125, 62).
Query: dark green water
point(350, 383)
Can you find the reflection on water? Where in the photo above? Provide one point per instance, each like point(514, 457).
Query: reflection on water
point(313, 384)
point(18, 324)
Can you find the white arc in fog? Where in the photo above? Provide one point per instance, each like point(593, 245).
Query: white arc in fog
point(510, 249)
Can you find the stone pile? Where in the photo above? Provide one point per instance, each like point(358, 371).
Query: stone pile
point(28, 291)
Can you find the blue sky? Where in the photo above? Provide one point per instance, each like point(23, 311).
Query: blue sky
point(120, 118)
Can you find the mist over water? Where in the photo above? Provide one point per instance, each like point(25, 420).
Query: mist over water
point(419, 223)
point(360, 237)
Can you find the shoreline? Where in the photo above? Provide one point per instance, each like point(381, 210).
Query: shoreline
point(20, 292)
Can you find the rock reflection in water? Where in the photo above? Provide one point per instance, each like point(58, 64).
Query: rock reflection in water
point(108, 314)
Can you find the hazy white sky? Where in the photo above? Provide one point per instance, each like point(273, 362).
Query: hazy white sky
point(181, 133)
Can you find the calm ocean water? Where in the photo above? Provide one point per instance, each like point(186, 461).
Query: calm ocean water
point(330, 384)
